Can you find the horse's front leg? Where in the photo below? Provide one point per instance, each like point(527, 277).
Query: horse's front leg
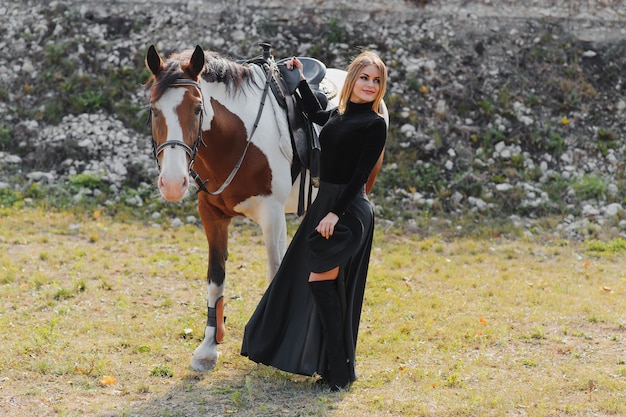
point(205, 356)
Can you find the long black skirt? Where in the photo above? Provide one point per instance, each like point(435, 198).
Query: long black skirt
point(284, 330)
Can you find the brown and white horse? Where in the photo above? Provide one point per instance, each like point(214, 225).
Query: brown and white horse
point(214, 121)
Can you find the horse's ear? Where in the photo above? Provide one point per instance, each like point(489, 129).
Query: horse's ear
point(196, 64)
point(154, 61)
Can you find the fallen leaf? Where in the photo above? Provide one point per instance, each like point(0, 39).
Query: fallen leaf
point(108, 380)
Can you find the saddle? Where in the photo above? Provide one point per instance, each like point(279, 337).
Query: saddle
point(304, 135)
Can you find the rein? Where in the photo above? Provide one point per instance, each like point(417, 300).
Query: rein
point(156, 150)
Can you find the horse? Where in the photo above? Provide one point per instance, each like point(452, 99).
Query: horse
point(210, 124)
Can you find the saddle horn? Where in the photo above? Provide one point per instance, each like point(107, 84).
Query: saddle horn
point(267, 50)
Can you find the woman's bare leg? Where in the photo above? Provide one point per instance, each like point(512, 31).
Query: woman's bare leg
point(324, 276)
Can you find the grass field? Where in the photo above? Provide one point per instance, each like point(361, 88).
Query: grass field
point(100, 317)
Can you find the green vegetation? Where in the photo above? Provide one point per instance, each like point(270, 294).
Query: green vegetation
point(485, 323)
point(590, 187)
point(5, 137)
point(86, 193)
point(86, 93)
point(162, 371)
point(336, 32)
point(548, 81)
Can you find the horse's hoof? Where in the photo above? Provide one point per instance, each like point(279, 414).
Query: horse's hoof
point(204, 364)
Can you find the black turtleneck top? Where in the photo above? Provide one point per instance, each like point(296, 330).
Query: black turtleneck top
point(351, 144)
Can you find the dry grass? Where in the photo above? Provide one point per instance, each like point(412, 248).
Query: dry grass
point(95, 318)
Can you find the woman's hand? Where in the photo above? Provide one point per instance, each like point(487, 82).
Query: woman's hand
point(326, 226)
point(295, 63)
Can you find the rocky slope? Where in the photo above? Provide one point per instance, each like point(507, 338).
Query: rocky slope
point(499, 108)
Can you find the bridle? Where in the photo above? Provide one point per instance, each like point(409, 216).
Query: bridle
point(192, 151)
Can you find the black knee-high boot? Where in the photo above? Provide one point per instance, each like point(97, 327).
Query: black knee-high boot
point(330, 313)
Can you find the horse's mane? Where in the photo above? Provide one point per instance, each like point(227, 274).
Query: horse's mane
point(216, 69)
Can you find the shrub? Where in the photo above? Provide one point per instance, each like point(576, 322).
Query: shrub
point(162, 371)
point(590, 187)
point(86, 180)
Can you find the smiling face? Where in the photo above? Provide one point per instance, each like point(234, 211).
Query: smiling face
point(366, 82)
point(367, 85)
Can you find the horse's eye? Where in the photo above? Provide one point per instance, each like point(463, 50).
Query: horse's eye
point(198, 109)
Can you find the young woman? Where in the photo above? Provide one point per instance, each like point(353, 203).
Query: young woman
point(307, 321)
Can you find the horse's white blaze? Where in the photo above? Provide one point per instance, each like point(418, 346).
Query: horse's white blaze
point(174, 176)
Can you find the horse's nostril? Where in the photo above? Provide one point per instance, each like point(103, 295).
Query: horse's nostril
point(185, 182)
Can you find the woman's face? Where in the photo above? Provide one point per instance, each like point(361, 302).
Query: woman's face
point(367, 85)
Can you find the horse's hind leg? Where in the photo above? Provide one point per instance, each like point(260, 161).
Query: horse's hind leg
point(205, 356)
point(274, 226)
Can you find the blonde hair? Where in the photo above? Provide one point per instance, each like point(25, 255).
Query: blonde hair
point(363, 60)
